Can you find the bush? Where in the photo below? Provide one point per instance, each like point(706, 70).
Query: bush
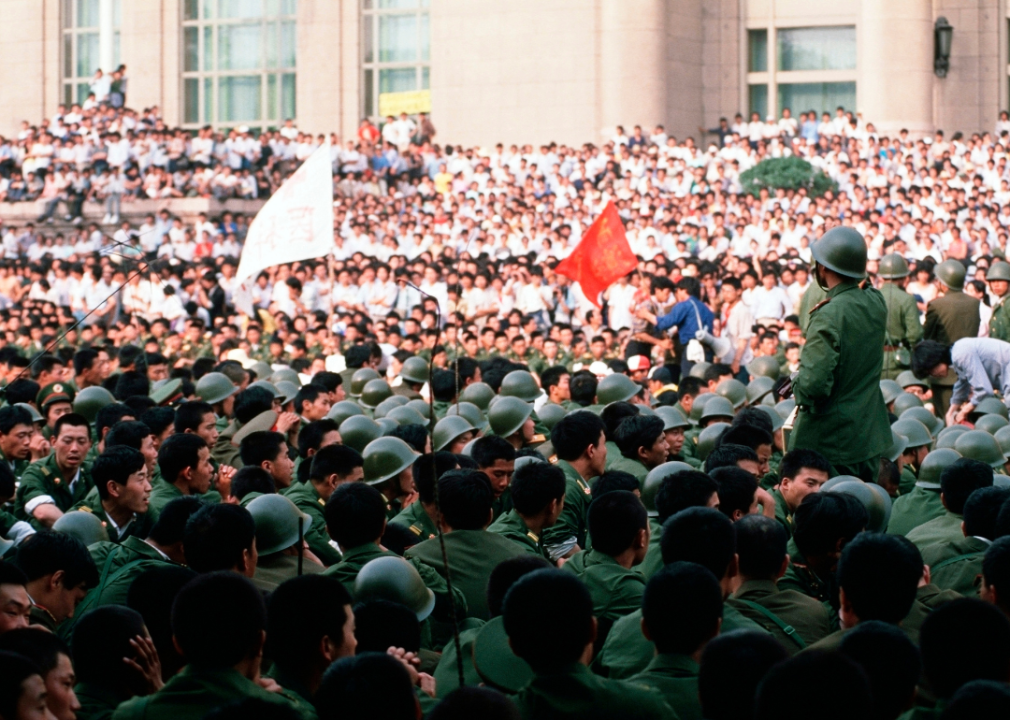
point(790, 173)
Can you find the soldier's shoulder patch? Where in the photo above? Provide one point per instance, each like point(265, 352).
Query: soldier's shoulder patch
point(45, 471)
point(85, 508)
point(539, 438)
point(416, 530)
point(553, 459)
point(322, 502)
point(533, 537)
point(819, 305)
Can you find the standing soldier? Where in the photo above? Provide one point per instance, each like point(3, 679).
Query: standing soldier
point(998, 278)
point(903, 327)
point(841, 411)
point(948, 319)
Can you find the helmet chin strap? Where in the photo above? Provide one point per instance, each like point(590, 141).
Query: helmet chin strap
point(818, 277)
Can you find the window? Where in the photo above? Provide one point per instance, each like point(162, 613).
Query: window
point(757, 54)
point(757, 101)
point(86, 43)
point(822, 97)
point(238, 62)
point(395, 57)
point(819, 48)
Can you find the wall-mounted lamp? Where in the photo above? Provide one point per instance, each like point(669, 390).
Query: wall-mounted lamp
point(943, 35)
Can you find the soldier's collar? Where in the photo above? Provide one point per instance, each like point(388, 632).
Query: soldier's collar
point(927, 485)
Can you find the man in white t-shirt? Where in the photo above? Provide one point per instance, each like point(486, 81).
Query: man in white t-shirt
point(769, 302)
point(737, 323)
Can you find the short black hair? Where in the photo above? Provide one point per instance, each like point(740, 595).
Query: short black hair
point(101, 640)
point(328, 380)
point(736, 489)
point(927, 355)
point(982, 509)
point(535, 485)
point(170, 527)
point(159, 419)
point(964, 640)
point(879, 575)
point(749, 436)
point(216, 536)
point(312, 434)
point(84, 359)
point(761, 546)
point(251, 402)
point(218, 640)
point(822, 519)
point(355, 514)
point(152, 594)
point(465, 703)
point(414, 435)
point(70, 420)
point(308, 393)
point(14, 670)
point(699, 535)
point(427, 470)
point(890, 661)
point(366, 686)
point(380, 624)
point(792, 688)
point(614, 414)
point(130, 433)
point(732, 666)
point(443, 385)
point(189, 415)
point(178, 452)
point(130, 383)
point(681, 490)
point(250, 479)
point(110, 415)
point(574, 433)
point(615, 520)
point(690, 386)
point(552, 376)
point(337, 460)
point(960, 479)
point(583, 388)
point(749, 417)
point(261, 446)
point(728, 455)
point(506, 574)
point(465, 499)
point(548, 617)
point(614, 480)
point(488, 450)
point(979, 698)
point(357, 355)
point(13, 415)
point(300, 613)
point(681, 607)
point(716, 371)
point(637, 432)
point(11, 574)
point(48, 551)
point(795, 460)
point(40, 646)
point(117, 463)
point(996, 570)
point(22, 390)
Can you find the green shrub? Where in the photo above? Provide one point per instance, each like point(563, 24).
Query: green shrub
point(790, 173)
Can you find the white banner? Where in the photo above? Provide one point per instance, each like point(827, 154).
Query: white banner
point(296, 223)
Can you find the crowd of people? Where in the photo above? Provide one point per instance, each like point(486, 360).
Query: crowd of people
point(762, 473)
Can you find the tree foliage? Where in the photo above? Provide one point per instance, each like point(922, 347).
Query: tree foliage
point(790, 173)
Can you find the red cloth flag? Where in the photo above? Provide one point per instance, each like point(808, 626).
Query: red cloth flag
point(602, 257)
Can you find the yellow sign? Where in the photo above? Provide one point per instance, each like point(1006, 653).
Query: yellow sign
point(413, 102)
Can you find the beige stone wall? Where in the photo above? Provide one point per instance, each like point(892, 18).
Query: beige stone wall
point(328, 76)
point(723, 70)
point(22, 94)
point(968, 99)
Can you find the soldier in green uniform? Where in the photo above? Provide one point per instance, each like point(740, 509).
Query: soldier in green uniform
point(419, 517)
point(53, 486)
point(642, 442)
point(123, 488)
point(54, 400)
point(538, 495)
point(512, 419)
point(414, 374)
point(923, 503)
point(388, 466)
point(842, 413)
point(957, 483)
point(903, 327)
point(998, 278)
point(59, 571)
point(918, 442)
point(16, 432)
point(280, 532)
point(802, 472)
point(949, 318)
point(184, 463)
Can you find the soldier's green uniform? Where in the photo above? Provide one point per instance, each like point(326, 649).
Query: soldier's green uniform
point(945, 528)
point(903, 327)
point(277, 567)
point(956, 564)
point(512, 526)
point(140, 526)
point(163, 492)
point(654, 554)
point(616, 591)
point(223, 451)
point(446, 674)
point(307, 499)
point(416, 519)
point(999, 323)
point(812, 296)
point(801, 578)
point(576, 693)
point(98, 703)
point(906, 481)
point(44, 478)
point(18, 466)
point(613, 453)
point(675, 676)
point(629, 465)
point(799, 620)
point(441, 408)
point(782, 512)
point(948, 319)
point(572, 522)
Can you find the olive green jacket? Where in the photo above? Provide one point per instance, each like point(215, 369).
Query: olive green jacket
point(572, 523)
point(163, 492)
point(512, 526)
point(44, 479)
point(97, 703)
point(807, 619)
point(903, 326)
point(629, 465)
point(999, 323)
point(676, 678)
point(616, 590)
point(140, 526)
point(917, 508)
point(956, 564)
point(574, 693)
point(946, 528)
point(309, 501)
point(416, 519)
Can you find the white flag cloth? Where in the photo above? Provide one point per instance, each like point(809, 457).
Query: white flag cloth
point(296, 223)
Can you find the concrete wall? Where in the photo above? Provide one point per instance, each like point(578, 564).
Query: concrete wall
point(327, 93)
point(723, 71)
point(968, 99)
point(22, 94)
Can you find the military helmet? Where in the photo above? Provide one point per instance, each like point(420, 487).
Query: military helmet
point(396, 580)
point(374, 392)
point(1003, 438)
point(385, 458)
point(508, 415)
point(422, 407)
point(655, 478)
point(764, 366)
point(262, 369)
point(898, 446)
point(287, 389)
point(343, 410)
point(934, 464)
point(359, 379)
point(734, 391)
point(698, 407)
point(520, 384)
point(524, 460)
point(718, 406)
point(448, 429)
point(892, 267)
point(277, 520)
point(479, 394)
point(708, 438)
point(495, 662)
point(999, 270)
point(951, 273)
point(616, 387)
point(387, 425)
point(924, 416)
point(550, 414)
point(913, 431)
point(473, 415)
point(357, 431)
point(904, 401)
point(758, 389)
point(980, 445)
point(385, 406)
point(672, 417)
point(92, 399)
point(270, 388)
point(407, 416)
point(82, 525)
point(907, 379)
point(415, 370)
point(215, 387)
point(285, 375)
point(991, 423)
point(785, 407)
point(36, 415)
point(990, 406)
point(777, 420)
point(890, 390)
point(699, 369)
point(166, 391)
point(874, 498)
point(948, 436)
point(843, 250)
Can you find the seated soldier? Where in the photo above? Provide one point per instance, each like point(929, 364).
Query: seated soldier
point(957, 482)
point(20, 444)
point(367, 686)
point(538, 497)
point(312, 437)
point(995, 586)
point(731, 669)
point(59, 571)
point(312, 402)
point(184, 462)
point(642, 442)
point(419, 517)
point(52, 656)
point(496, 458)
point(890, 661)
point(54, 485)
point(548, 616)
point(738, 492)
point(280, 543)
point(15, 605)
point(802, 472)
point(757, 439)
point(249, 483)
point(104, 420)
point(681, 612)
point(221, 537)
point(677, 491)
point(613, 415)
point(269, 450)
point(136, 435)
point(124, 490)
point(729, 455)
point(791, 688)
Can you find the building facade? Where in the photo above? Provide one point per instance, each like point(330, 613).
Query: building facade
point(512, 70)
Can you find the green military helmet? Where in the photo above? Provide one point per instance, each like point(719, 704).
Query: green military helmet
point(359, 379)
point(82, 525)
point(343, 410)
point(524, 460)
point(508, 415)
point(385, 406)
point(422, 407)
point(406, 416)
point(358, 430)
point(215, 387)
point(892, 267)
point(374, 392)
point(475, 417)
point(479, 394)
point(708, 438)
point(951, 273)
point(495, 662)
point(890, 390)
point(36, 415)
point(980, 445)
point(734, 391)
point(843, 250)
point(698, 407)
point(924, 416)
point(396, 580)
point(616, 387)
point(898, 446)
point(287, 389)
point(92, 399)
point(672, 417)
point(990, 406)
point(550, 414)
point(448, 429)
point(415, 370)
point(948, 436)
point(785, 407)
point(904, 401)
point(285, 375)
point(777, 420)
point(385, 458)
point(764, 366)
point(758, 389)
point(400, 400)
point(934, 464)
point(907, 379)
point(277, 520)
point(646, 411)
point(272, 389)
point(387, 425)
point(999, 270)
point(913, 431)
point(520, 384)
point(655, 478)
point(699, 369)
point(262, 370)
point(991, 423)
point(718, 406)
point(1003, 438)
point(874, 498)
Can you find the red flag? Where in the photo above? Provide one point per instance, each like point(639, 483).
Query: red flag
point(602, 257)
